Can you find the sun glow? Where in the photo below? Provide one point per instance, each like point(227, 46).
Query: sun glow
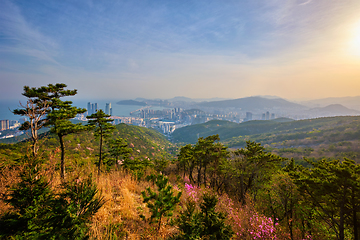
point(355, 42)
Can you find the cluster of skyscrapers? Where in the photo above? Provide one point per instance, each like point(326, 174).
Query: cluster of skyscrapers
point(7, 124)
point(264, 116)
point(267, 116)
point(93, 108)
point(4, 125)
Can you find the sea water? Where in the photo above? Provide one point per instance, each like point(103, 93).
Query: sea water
point(6, 106)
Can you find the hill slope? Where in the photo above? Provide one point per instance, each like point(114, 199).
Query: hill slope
point(332, 137)
point(146, 143)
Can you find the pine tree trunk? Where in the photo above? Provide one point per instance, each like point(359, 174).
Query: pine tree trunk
point(355, 223)
point(34, 148)
point(205, 166)
point(62, 166)
point(34, 136)
point(199, 175)
point(342, 218)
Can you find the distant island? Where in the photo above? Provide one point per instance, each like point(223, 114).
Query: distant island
point(131, 102)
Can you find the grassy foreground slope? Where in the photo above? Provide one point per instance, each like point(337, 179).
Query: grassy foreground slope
point(332, 137)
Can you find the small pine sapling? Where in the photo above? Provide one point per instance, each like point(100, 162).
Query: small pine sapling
point(213, 223)
point(188, 223)
point(161, 204)
point(30, 200)
point(207, 224)
point(74, 208)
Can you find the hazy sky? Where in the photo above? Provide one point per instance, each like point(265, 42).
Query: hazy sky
point(121, 49)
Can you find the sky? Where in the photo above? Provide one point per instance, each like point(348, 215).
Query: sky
point(124, 49)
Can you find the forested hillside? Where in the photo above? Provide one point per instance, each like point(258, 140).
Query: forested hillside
point(332, 137)
point(208, 192)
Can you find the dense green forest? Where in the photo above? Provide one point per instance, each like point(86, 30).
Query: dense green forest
point(100, 181)
point(331, 137)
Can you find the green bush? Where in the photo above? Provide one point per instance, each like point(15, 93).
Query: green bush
point(207, 224)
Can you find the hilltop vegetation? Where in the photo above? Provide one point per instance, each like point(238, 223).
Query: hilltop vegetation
point(210, 192)
point(143, 191)
point(83, 147)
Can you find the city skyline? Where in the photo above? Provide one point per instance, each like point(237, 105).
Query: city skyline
point(298, 49)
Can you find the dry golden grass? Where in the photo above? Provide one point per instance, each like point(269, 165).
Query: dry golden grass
point(119, 217)
point(120, 214)
point(8, 177)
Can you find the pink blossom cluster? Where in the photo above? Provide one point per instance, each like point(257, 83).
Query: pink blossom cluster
point(262, 227)
point(258, 227)
point(192, 191)
point(226, 203)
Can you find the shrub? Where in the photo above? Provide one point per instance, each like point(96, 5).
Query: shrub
point(161, 204)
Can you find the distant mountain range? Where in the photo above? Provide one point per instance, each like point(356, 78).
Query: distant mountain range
point(259, 104)
point(333, 110)
point(255, 103)
point(183, 99)
point(349, 102)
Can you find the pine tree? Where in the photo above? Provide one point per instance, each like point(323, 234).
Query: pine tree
point(30, 200)
point(119, 148)
point(101, 122)
point(206, 224)
point(161, 204)
point(74, 207)
point(213, 223)
point(59, 118)
point(332, 188)
point(46, 100)
point(35, 109)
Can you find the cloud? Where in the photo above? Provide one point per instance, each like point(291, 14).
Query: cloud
point(304, 2)
point(21, 38)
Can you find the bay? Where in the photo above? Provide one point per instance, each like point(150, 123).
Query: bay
point(6, 106)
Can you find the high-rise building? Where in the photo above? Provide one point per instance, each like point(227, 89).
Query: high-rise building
point(267, 115)
point(89, 112)
point(272, 116)
point(143, 114)
point(108, 109)
point(4, 125)
point(248, 116)
point(94, 107)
